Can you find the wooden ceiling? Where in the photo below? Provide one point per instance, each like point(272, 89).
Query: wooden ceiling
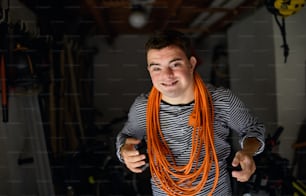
point(110, 17)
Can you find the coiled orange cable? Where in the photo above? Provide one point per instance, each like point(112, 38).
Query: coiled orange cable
point(172, 178)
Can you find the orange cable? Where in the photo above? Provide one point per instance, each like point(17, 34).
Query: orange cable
point(170, 177)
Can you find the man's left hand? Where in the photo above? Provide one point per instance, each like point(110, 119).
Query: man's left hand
point(247, 165)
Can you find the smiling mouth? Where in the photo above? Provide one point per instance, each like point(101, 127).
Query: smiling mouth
point(169, 84)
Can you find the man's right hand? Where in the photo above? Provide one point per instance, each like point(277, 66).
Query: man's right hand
point(132, 158)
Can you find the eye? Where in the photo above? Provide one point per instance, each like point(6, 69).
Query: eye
point(174, 65)
point(155, 68)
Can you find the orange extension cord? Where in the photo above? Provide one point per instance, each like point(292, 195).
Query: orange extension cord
point(170, 177)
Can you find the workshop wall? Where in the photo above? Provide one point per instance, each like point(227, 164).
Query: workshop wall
point(275, 90)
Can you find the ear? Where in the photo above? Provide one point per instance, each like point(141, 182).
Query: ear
point(193, 62)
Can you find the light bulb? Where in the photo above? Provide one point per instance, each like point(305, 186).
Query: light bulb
point(138, 19)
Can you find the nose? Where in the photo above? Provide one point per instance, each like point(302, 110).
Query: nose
point(168, 72)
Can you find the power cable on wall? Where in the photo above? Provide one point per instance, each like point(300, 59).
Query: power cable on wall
point(284, 8)
point(282, 28)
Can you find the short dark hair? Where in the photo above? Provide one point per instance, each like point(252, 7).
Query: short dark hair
point(162, 39)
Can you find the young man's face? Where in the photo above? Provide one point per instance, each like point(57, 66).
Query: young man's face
point(172, 74)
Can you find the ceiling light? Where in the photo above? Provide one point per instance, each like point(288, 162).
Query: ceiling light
point(138, 19)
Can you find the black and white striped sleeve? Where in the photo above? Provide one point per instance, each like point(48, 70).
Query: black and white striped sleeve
point(243, 122)
point(135, 125)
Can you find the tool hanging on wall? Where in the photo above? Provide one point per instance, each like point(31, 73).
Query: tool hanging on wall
point(4, 100)
point(284, 8)
point(21, 71)
point(74, 87)
point(4, 51)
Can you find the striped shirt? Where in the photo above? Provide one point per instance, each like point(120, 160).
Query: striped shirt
point(230, 113)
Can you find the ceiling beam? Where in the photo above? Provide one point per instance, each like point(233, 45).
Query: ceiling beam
point(210, 9)
point(193, 30)
point(247, 6)
point(101, 18)
point(173, 8)
point(115, 3)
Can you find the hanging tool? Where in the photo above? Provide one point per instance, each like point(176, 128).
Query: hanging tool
point(284, 8)
point(52, 108)
point(4, 100)
point(74, 88)
point(3, 46)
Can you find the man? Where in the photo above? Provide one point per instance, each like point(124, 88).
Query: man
point(186, 125)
